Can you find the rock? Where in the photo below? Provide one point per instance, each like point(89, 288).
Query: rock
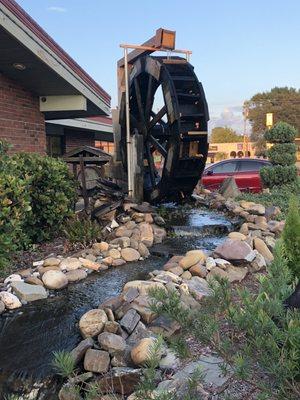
point(118, 262)
point(70, 264)
point(258, 263)
point(186, 275)
point(108, 261)
point(146, 234)
point(43, 270)
point(210, 263)
point(236, 274)
point(130, 294)
point(138, 217)
point(76, 275)
point(143, 250)
point(54, 279)
point(169, 361)
point(13, 278)
point(270, 242)
point(96, 361)
point(141, 353)
point(129, 254)
point(229, 189)
point(122, 242)
point(261, 222)
point(10, 300)
point(27, 292)
point(140, 332)
point(253, 208)
point(69, 392)
point(143, 286)
point(33, 280)
point(198, 270)
point(191, 258)
point(148, 218)
point(234, 251)
point(25, 272)
point(92, 323)
point(244, 230)
point(176, 270)
point(159, 220)
point(112, 343)
point(51, 262)
point(134, 244)
point(101, 247)
point(237, 236)
point(94, 266)
point(142, 305)
point(111, 327)
point(2, 307)
point(216, 271)
point(198, 287)
point(159, 234)
point(123, 231)
point(262, 248)
point(79, 351)
point(164, 326)
point(114, 254)
point(123, 380)
point(118, 360)
point(130, 320)
point(272, 211)
point(114, 224)
point(220, 262)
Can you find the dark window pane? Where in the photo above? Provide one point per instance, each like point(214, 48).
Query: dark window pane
point(251, 166)
point(55, 146)
point(224, 168)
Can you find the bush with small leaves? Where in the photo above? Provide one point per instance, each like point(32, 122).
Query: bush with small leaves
point(282, 154)
point(278, 175)
point(282, 132)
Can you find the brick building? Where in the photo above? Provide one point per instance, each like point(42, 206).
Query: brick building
point(47, 101)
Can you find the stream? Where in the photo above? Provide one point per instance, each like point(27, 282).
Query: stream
point(29, 337)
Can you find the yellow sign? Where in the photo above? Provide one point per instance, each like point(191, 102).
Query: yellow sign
point(269, 120)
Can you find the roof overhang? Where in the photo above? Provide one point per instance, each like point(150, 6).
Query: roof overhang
point(49, 71)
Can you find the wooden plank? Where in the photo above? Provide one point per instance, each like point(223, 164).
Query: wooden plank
point(84, 192)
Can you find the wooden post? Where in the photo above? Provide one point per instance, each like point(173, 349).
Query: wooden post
point(83, 182)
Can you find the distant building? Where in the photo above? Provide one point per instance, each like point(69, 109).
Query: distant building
point(48, 103)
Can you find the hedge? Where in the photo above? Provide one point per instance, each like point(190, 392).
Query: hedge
point(282, 154)
point(282, 132)
point(278, 175)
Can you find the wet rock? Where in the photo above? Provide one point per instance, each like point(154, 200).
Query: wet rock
point(121, 380)
point(112, 343)
point(13, 278)
point(146, 234)
point(237, 236)
point(198, 270)
point(92, 323)
point(79, 351)
point(143, 250)
point(130, 320)
point(143, 286)
point(2, 307)
point(129, 254)
point(94, 266)
point(234, 251)
point(54, 279)
point(70, 264)
point(118, 262)
point(111, 327)
point(262, 248)
point(52, 262)
point(96, 361)
point(10, 300)
point(33, 280)
point(101, 247)
point(141, 353)
point(76, 275)
point(27, 292)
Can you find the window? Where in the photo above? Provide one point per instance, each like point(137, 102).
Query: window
point(251, 166)
point(55, 145)
point(224, 168)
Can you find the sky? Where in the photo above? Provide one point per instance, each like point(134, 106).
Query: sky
point(239, 47)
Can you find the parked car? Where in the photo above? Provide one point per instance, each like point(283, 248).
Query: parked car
point(244, 170)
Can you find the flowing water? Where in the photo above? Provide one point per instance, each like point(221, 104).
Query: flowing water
point(29, 337)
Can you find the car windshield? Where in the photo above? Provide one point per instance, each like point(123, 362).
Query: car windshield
point(247, 165)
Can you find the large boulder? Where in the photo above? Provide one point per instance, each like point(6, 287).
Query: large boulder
point(236, 251)
point(10, 300)
point(146, 234)
point(112, 343)
point(27, 292)
point(129, 254)
point(96, 361)
point(191, 258)
point(54, 279)
point(92, 323)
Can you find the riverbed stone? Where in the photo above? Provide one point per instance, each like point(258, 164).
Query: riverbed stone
point(114, 254)
point(143, 250)
point(96, 361)
point(33, 280)
point(70, 264)
point(159, 234)
point(186, 275)
point(112, 343)
point(234, 251)
point(192, 258)
point(92, 323)
point(86, 263)
point(111, 327)
point(146, 234)
point(13, 278)
point(101, 247)
point(198, 287)
point(198, 269)
point(27, 292)
point(10, 300)
point(130, 320)
point(141, 353)
point(263, 249)
point(237, 236)
point(118, 262)
point(76, 275)
point(129, 254)
point(143, 286)
point(54, 279)
point(79, 351)
point(52, 262)
point(2, 307)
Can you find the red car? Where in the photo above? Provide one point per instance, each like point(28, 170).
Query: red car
point(244, 170)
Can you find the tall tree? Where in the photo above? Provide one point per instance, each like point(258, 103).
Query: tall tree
point(224, 135)
point(283, 102)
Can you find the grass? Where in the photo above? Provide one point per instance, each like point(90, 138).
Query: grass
point(63, 363)
point(82, 231)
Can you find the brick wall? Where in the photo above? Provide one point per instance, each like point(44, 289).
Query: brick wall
point(21, 122)
point(74, 138)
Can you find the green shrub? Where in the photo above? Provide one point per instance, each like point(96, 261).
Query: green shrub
point(52, 192)
point(63, 363)
point(281, 133)
point(291, 237)
point(278, 175)
point(282, 154)
point(82, 230)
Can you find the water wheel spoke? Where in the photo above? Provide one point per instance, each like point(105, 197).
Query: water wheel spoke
point(139, 101)
point(158, 146)
point(157, 117)
point(149, 98)
point(150, 164)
